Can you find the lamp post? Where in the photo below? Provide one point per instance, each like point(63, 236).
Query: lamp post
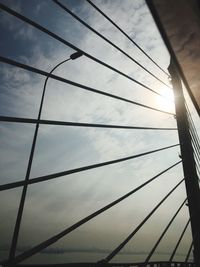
point(24, 191)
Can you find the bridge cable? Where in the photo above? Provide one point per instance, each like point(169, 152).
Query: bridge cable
point(198, 173)
point(196, 156)
point(55, 36)
point(68, 230)
point(107, 40)
point(125, 34)
point(196, 145)
point(176, 247)
point(118, 248)
point(79, 124)
point(189, 252)
point(195, 149)
point(163, 233)
point(193, 129)
point(192, 122)
point(195, 139)
point(76, 170)
point(83, 87)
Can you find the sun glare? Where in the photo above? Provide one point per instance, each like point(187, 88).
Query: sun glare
point(166, 101)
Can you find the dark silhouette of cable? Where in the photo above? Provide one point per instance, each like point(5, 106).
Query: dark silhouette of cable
point(192, 122)
point(195, 151)
point(163, 233)
point(25, 185)
point(197, 162)
point(193, 128)
point(195, 143)
point(198, 173)
point(107, 40)
point(182, 234)
point(76, 170)
point(194, 139)
point(55, 36)
point(83, 87)
point(197, 159)
point(58, 236)
point(195, 146)
point(125, 34)
point(80, 124)
point(189, 252)
point(118, 248)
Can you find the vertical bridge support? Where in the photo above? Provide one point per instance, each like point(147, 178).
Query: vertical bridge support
point(189, 169)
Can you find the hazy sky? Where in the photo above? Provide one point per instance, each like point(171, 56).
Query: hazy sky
point(54, 205)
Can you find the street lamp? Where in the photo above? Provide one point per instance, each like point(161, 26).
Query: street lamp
point(72, 56)
point(24, 191)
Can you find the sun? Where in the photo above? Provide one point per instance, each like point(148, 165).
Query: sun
point(166, 101)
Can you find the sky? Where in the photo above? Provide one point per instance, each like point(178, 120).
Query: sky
point(54, 205)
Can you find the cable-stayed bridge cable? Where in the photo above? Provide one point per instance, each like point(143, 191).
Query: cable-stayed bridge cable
point(193, 130)
point(196, 155)
point(118, 248)
point(195, 144)
point(76, 170)
point(80, 124)
point(194, 139)
point(55, 36)
point(163, 233)
point(55, 238)
point(107, 40)
point(192, 122)
point(84, 87)
point(176, 247)
point(189, 252)
point(125, 34)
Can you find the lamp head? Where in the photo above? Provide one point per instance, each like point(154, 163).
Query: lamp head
point(76, 55)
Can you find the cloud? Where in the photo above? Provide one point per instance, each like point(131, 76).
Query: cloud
point(20, 30)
